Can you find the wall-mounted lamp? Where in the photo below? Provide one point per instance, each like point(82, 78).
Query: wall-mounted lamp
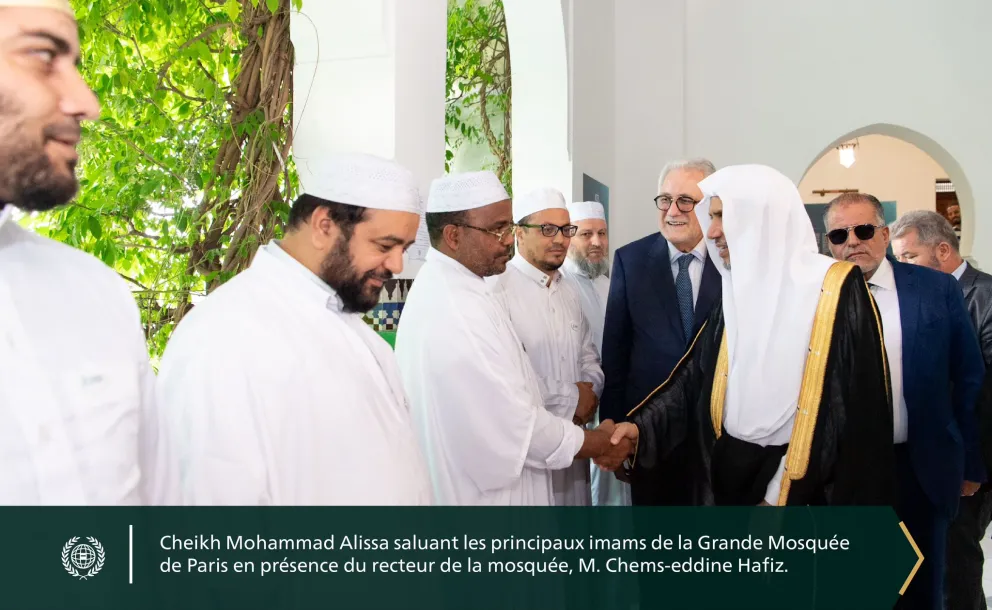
point(846, 154)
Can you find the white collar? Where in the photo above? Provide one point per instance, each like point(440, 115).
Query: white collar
point(884, 277)
point(524, 266)
point(699, 252)
point(957, 273)
point(274, 251)
point(433, 254)
point(5, 214)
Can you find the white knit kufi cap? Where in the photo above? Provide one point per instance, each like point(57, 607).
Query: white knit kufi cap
point(539, 199)
point(59, 5)
point(468, 191)
point(586, 210)
point(361, 180)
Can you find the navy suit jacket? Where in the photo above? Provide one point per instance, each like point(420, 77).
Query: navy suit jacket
point(943, 370)
point(643, 338)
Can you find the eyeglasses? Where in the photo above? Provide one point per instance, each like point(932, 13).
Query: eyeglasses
point(549, 230)
point(500, 235)
point(684, 203)
point(862, 232)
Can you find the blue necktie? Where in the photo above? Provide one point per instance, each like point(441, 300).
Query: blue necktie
point(683, 289)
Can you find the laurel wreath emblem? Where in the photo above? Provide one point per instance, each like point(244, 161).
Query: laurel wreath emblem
point(97, 566)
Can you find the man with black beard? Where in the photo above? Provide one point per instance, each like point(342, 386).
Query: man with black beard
point(265, 383)
point(76, 416)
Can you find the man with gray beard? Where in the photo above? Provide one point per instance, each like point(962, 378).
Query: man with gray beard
point(588, 268)
point(77, 425)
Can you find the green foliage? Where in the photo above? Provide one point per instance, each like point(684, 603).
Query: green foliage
point(166, 72)
point(478, 81)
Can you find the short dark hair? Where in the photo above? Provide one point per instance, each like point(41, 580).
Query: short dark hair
point(526, 220)
point(437, 221)
point(344, 215)
point(848, 198)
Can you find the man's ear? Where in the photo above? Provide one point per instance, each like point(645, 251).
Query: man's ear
point(451, 236)
point(943, 251)
point(324, 232)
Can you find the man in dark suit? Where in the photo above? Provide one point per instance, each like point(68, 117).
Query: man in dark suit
point(928, 239)
point(936, 370)
point(662, 287)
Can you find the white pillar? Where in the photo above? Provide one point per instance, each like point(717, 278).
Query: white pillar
point(539, 68)
point(369, 77)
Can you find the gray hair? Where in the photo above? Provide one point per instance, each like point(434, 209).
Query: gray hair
point(931, 228)
point(698, 165)
point(849, 198)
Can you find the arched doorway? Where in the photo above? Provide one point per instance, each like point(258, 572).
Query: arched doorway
point(900, 166)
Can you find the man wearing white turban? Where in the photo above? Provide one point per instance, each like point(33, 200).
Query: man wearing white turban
point(77, 423)
point(783, 396)
point(475, 396)
point(276, 391)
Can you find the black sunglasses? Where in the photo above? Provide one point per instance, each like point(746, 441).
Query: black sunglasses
point(862, 232)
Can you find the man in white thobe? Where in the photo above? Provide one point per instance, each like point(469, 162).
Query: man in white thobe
point(546, 314)
point(277, 392)
point(76, 418)
point(588, 267)
point(475, 397)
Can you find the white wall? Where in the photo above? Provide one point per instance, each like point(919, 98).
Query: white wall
point(539, 67)
point(593, 116)
point(889, 168)
point(779, 82)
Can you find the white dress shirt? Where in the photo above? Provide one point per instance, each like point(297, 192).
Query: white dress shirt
point(276, 396)
point(957, 273)
point(558, 341)
point(695, 266)
point(77, 423)
point(883, 288)
point(475, 398)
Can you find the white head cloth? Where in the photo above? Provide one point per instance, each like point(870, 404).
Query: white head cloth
point(468, 191)
point(362, 180)
point(59, 5)
point(769, 297)
point(537, 200)
point(586, 210)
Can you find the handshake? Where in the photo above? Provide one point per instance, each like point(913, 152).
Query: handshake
point(611, 444)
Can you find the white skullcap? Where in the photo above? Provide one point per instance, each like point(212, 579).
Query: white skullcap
point(586, 210)
point(59, 5)
point(459, 192)
point(361, 180)
point(537, 200)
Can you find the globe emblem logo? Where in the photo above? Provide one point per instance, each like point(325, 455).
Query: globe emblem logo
point(83, 556)
point(83, 560)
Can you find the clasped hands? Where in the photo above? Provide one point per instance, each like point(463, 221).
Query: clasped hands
point(620, 439)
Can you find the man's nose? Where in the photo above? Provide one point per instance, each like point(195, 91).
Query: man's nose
point(394, 262)
point(78, 100)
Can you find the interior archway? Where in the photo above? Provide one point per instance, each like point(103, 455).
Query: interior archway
point(920, 173)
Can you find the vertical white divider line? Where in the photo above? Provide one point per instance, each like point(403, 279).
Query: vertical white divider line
point(130, 554)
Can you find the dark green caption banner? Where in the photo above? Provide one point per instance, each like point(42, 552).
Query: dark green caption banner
point(283, 558)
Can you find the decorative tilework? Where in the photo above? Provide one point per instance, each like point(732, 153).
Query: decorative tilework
point(386, 315)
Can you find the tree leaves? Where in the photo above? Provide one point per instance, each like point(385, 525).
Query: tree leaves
point(478, 82)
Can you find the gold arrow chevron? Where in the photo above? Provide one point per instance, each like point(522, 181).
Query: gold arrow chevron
point(919, 560)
